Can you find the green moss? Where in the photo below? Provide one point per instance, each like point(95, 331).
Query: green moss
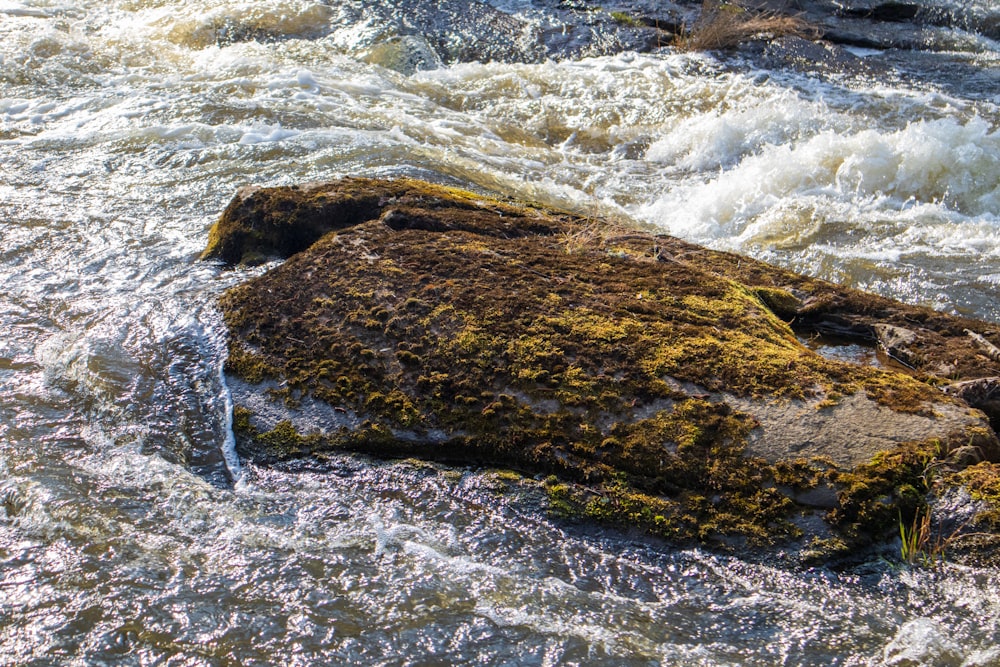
point(484, 330)
point(561, 502)
point(626, 19)
point(876, 494)
point(408, 358)
point(802, 473)
point(983, 482)
point(395, 403)
point(286, 441)
point(282, 442)
point(508, 475)
point(781, 302)
point(759, 518)
point(821, 551)
point(620, 504)
point(656, 466)
point(242, 419)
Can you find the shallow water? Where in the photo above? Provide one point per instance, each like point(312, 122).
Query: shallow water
point(130, 535)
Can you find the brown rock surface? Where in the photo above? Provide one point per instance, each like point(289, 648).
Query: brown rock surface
point(659, 383)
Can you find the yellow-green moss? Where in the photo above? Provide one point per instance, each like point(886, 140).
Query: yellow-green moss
point(283, 441)
point(626, 19)
point(781, 302)
point(983, 483)
point(893, 484)
point(484, 330)
point(560, 498)
point(508, 475)
point(821, 551)
point(242, 419)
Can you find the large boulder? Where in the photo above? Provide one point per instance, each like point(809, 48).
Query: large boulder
point(656, 384)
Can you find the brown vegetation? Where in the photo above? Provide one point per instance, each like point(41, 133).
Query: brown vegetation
point(725, 25)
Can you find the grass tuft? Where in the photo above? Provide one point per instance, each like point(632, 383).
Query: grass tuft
point(726, 25)
point(920, 546)
point(914, 537)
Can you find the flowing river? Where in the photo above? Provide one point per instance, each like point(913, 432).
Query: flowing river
point(129, 532)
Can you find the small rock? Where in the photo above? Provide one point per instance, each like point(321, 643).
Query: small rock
point(897, 343)
point(982, 394)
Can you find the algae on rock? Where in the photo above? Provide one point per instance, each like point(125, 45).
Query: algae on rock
point(659, 382)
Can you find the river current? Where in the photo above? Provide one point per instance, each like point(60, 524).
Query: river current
point(129, 532)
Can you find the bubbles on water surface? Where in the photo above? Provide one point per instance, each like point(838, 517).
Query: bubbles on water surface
point(364, 560)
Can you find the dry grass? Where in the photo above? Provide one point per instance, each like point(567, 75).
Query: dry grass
point(607, 235)
point(724, 25)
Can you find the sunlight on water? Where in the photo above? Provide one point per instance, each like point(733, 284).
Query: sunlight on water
point(365, 561)
point(128, 534)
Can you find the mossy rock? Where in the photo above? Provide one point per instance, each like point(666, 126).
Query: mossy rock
point(659, 383)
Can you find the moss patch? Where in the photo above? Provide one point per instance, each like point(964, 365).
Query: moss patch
point(983, 483)
point(626, 19)
point(894, 484)
point(462, 328)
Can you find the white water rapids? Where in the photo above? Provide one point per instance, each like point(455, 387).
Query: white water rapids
point(125, 128)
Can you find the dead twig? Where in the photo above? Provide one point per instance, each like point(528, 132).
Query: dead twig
point(991, 350)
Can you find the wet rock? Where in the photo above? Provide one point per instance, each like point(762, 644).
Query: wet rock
point(419, 34)
point(968, 514)
point(410, 35)
point(659, 383)
point(965, 16)
point(820, 57)
point(892, 25)
point(405, 54)
point(896, 343)
point(824, 496)
point(986, 658)
point(955, 511)
point(981, 393)
point(848, 431)
point(889, 11)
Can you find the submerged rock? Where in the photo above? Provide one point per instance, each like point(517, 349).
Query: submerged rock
point(659, 384)
point(410, 35)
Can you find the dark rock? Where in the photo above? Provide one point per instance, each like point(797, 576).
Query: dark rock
point(896, 343)
point(891, 25)
point(410, 35)
point(861, 40)
point(981, 393)
point(418, 34)
point(889, 11)
point(658, 382)
point(814, 57)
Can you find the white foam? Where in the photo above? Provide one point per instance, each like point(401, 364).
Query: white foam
point(921, 641)
point(861, 52)
point(217, 20)
point(272, 134)
point(721, 137)
point(941, 161)
point(18, 9)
